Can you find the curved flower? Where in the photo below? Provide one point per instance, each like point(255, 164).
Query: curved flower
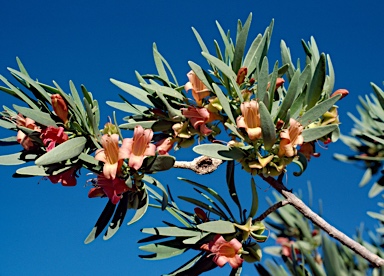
point(198, 118)
point(109, 154)
point(60, 107)
point(23, 139)
point(164, 145)
point(66, 178)
point(224, 251)
point(137, 147)
point(290, 138)
point(112, 188)
point(199, 90)
point(250, 119)
point(52, 136)
point(308, 150)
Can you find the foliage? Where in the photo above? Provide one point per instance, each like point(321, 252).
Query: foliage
point(269, 119)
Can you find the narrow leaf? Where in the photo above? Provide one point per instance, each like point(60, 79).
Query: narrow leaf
point(267, 127)
point(218, 227)
point(316, 87)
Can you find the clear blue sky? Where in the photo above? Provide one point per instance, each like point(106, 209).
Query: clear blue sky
point(43, 225)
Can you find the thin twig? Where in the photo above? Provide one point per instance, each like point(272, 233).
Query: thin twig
point(200, 165)
point(271, 209)
point(316, 219)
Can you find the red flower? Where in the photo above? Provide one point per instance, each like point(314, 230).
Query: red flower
point(66, 178)
point(52, 136)
point(112, 188)
point(241, 75)
point(308, 150)
point(224, 251)
point(22, 138)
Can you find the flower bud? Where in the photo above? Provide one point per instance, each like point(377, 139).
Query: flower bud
point(342, 92)
point(60, 107)
point(241, 75)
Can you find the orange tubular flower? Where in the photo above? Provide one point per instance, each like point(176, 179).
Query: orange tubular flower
point(250, 119)
point(60, 107)
point(22, 138)
point(198, 118)
point(164, 146)
point(199, 90)
point(137, 147)
point(290, 138)
point(109, 154)
point(225, 252)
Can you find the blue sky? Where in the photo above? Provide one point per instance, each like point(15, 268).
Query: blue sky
point(44, 225)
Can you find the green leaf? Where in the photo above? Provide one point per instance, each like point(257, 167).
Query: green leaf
point(143, 206)
point(32, 170)
point(40, 89)
point(375, 190)
point(317, 111)
point(134, 91)
point(227, 42)
point(19, 93)
point(200, 74)
point(154, 125)
point(159, 64)
point(218, 227)
point(379, 93)
point(118, 218)
point(76, 98)
point(230, 178)
point(203, 205)
point(224, 102)
point(376, 215)
point(62, 152)
point(36, 115)
point(156, 183)
point(171, 232)
point(163, 250)
point(317, 83)
point(286, 58)
point(240, 44)
point(227, 71)
point(101, 222)
point(164, 90)
point(7, 125)
point(219, 151)
point(124, 107)
point(200, 41)
point(267, 127)
point(158, 163)
point(290, 96)
point(9, 141)
point(262, 81)
point(249, 58)
point(211, 192)
point(301, 162)
point(312, 134)
point(255, 199)
point(11, 159)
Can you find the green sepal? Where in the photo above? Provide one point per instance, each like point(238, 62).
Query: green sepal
point(67, 150)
